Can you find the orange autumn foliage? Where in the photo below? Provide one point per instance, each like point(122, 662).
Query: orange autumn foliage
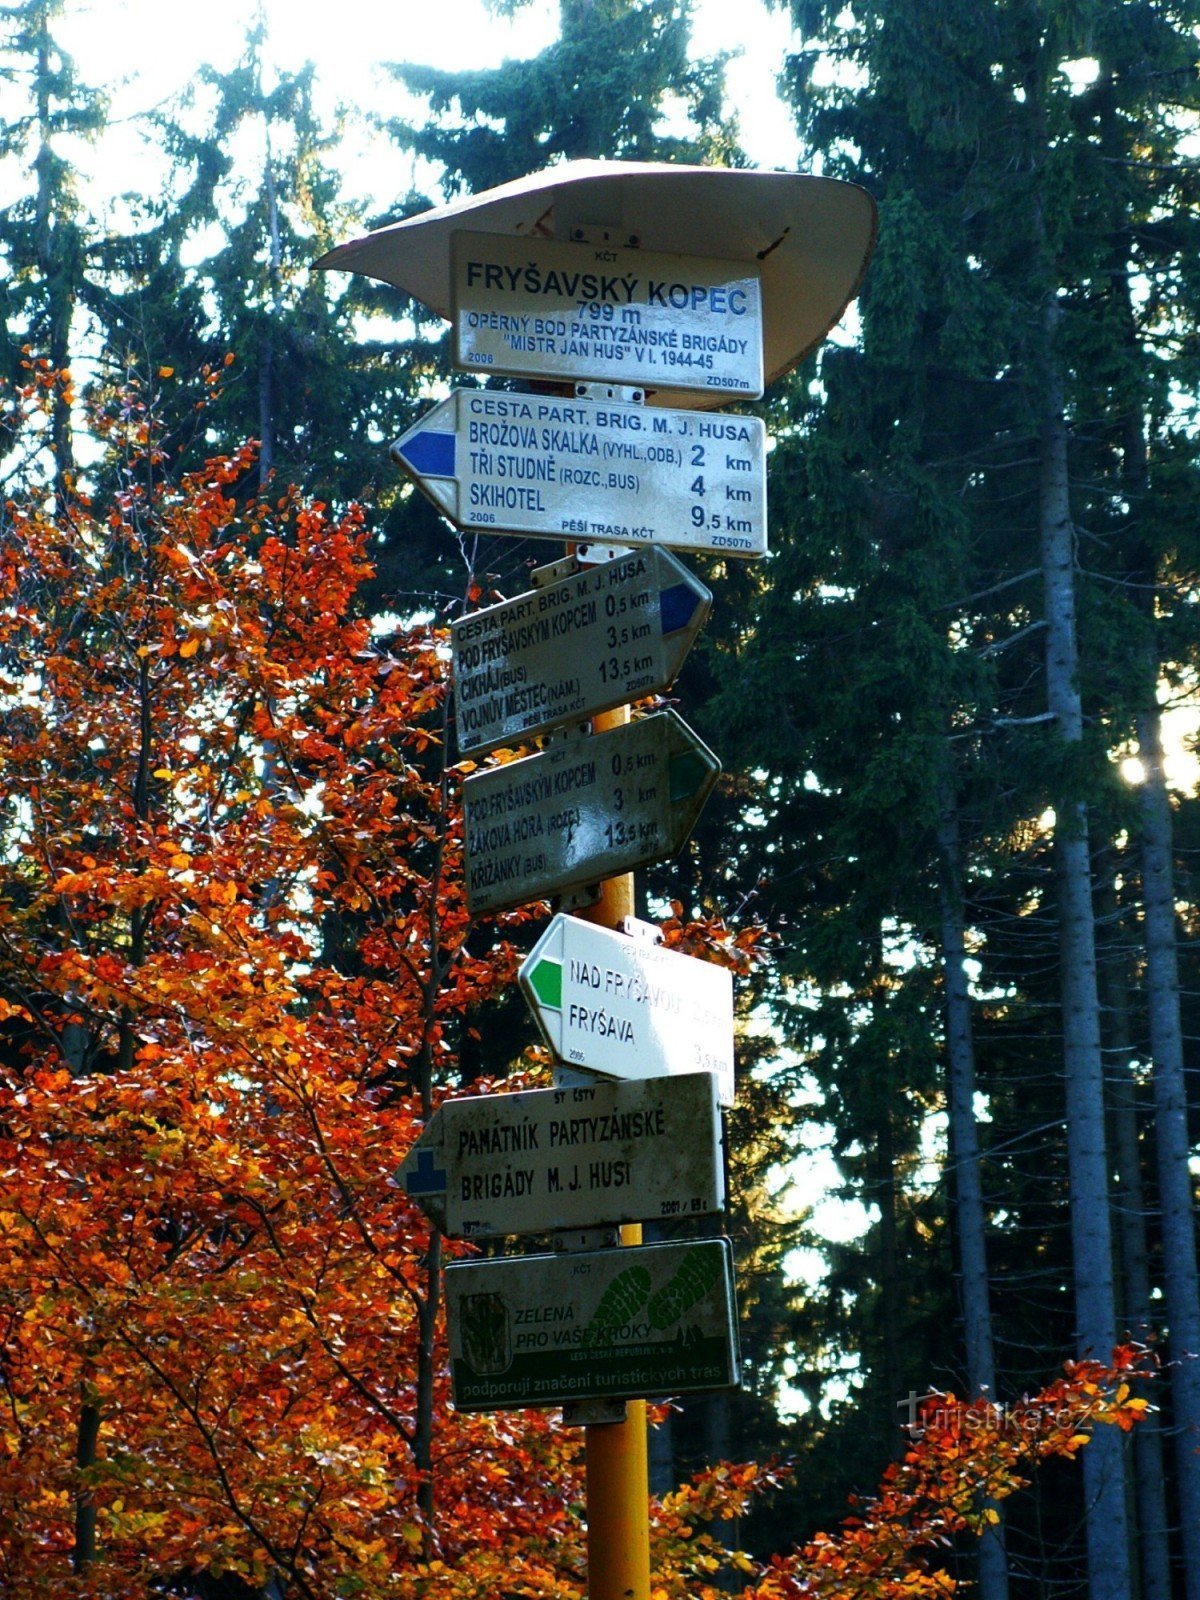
point(213, 774)
point(234, 961)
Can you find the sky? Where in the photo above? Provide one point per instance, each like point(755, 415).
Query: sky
point(145, 51)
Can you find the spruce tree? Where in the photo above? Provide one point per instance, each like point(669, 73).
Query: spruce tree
point(44, 232)
point(1004, 374)
point(298, 381)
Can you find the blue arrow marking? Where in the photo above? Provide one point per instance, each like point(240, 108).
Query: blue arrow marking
point(677, 607)
point(430, 454)
point(427, 1179)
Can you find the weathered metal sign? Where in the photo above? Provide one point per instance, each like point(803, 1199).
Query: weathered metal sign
point(554, 309)
point(600, 1324)
point(597, 637)
point(570, 1158)
point(587, 807)
point(585, 469)
point(629, 1008)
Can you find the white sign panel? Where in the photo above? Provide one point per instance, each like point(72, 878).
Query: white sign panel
point(574, 1157)
point(580, 468)
point(597, 637)
point(628, 1008)
point(583, 809)
point(545, 308)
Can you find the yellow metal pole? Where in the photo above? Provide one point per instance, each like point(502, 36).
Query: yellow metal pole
point(618, 1485)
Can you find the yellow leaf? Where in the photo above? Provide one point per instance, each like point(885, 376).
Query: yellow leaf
point(166, 372)
point(189, 648)
point(163, 772)
point(990, 1514)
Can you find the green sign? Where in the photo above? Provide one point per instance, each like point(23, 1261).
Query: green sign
point(592, 1325)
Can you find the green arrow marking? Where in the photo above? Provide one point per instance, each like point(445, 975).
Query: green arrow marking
point(546, 982)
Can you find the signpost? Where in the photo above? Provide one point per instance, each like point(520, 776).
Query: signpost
point(546, 1329)
point(583, 809)
point(548, 1159)
point(684, 285)
point(581, 468)
point(595, 638)
point(547, 308)
point(627, 1008)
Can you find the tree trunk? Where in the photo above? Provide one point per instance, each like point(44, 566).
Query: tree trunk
point(1149, 1493)
point(1087, 1163)
point(1181, 1291)
point(48, 238)
point(661, 1458)
point(266, 354)
point(87, 1437)
point(1181, 1288)
point(970, 1219)
point(884, 1183)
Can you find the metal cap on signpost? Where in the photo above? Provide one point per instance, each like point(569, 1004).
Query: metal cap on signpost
point(623, 261)
point(809, 237)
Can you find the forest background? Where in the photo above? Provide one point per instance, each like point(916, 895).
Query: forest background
point(948, 857)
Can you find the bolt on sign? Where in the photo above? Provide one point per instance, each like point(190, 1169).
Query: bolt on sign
point(592, 1325)
point(596, 638)
point(576, 1157)
point(580, 468)
point(628, 1008)
point(583, 809)
point(546, 308)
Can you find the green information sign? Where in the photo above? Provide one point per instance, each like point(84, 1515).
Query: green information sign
point(592, 1325)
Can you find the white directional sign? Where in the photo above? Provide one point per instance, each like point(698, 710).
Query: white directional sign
point(538, 1330)
point(547, 1159)
point(545, 308)
point(596, 638)
point(580, 468)
point(628, 1008)
point(583, 809)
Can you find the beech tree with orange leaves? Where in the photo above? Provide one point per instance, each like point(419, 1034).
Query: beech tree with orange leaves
point(218, 1309)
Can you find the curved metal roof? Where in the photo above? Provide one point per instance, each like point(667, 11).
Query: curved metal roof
point(811, 236)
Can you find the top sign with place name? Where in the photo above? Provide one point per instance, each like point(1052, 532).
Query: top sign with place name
point(554, 309)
